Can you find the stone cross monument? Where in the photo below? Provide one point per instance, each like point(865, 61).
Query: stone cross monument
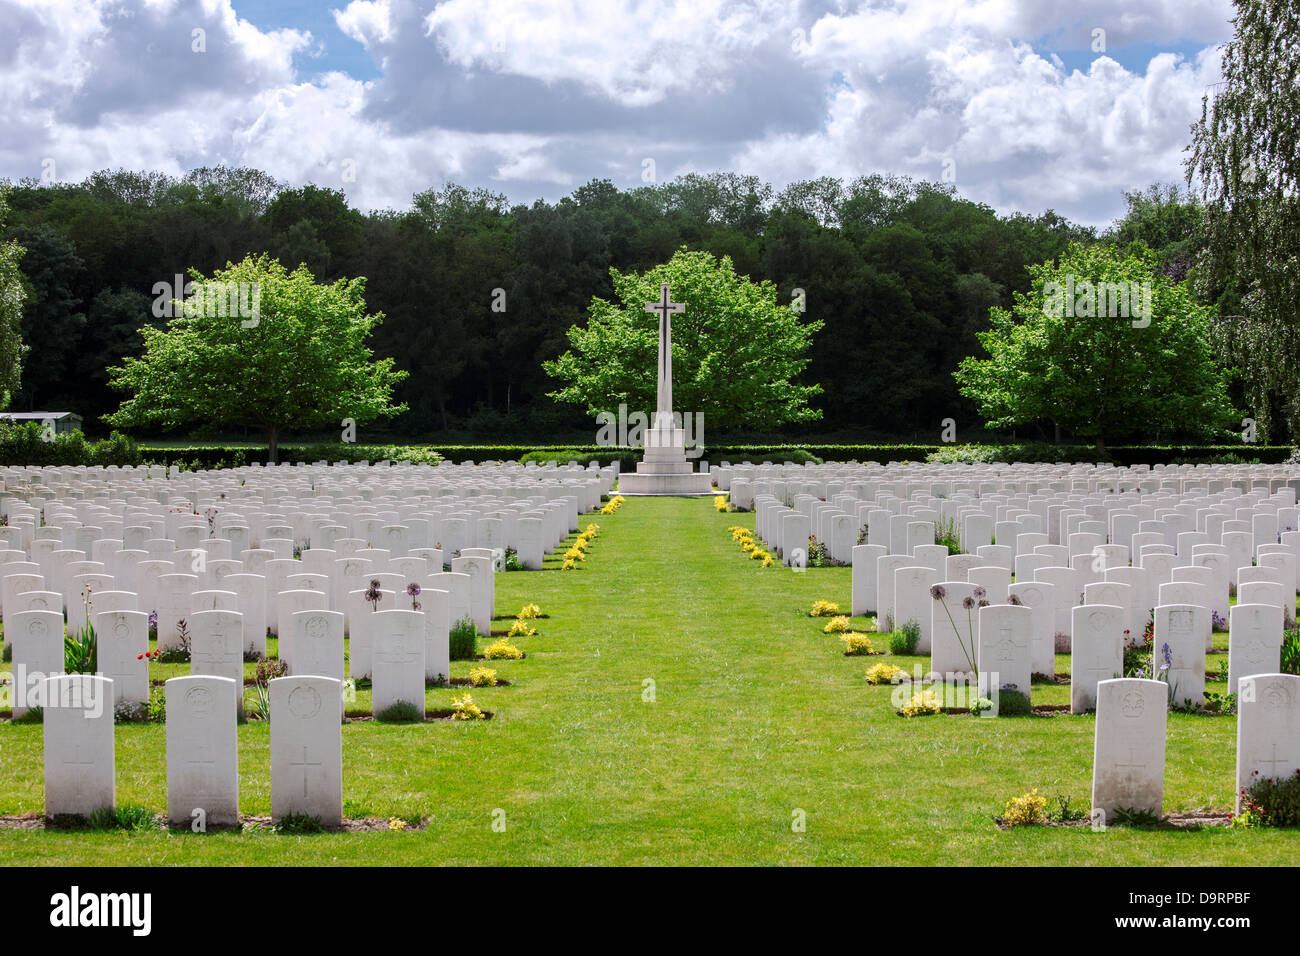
point(664, 468)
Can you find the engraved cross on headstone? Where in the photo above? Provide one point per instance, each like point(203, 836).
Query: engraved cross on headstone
point(1273, 763)
point(304, 764)
point(78, 765)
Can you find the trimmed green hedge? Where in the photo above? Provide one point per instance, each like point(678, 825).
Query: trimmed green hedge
point(210, 457)
point(198, 457)
point(24, 444)
point(1120, 454)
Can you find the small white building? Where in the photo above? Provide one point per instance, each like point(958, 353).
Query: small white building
point(63, 421)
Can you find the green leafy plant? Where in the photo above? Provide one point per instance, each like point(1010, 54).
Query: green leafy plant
point(156, 709)
point(259, 708)
point(400, 712)
point(79, 651)
point(130, 817)
point(463, 640)
point(1135, 817)
point(904, 641)
point(1064, 813)
point(33, 715)
point(1291, 651)
point(1013, 703)
point(946, 534)
point(178, 653)
point(1275, 800)
point(299, 823)
point(1219, 703)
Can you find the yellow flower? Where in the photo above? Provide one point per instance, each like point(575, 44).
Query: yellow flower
point(884, 673)
point(1026, 811)
point(482, 677)
point(767, 561)
point(856, 644)
point(466, 709)
point(837, 625)
point(397, 823)
point(502, 650)
point(926, 702)
point(568, 565)
point(824, 609)
point(528, 612)
point(720, 502)
point(521, 629)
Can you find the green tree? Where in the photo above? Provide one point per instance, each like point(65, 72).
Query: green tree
point(736, 351)
point(53, 318)
point(1066, 352)
point(11, 310)
point(1165, 219)
point(298, 360)
point(1245, 160)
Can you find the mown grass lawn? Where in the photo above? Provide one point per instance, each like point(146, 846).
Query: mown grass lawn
point(756, 715)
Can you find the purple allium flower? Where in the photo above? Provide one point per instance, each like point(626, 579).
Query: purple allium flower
point(978, 593)
point(968, 602)
point(413, 589)
point(938, 592)
point(1015, 599)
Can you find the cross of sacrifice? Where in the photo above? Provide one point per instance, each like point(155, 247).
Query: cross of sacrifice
point(665, 308)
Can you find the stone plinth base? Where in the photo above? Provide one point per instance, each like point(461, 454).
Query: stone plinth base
point(682, 483)
point(664, 468)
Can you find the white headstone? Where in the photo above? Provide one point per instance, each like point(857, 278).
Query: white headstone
point(1096, 652)
point(307, 748)
point(202, 750)
point(397, 661)
point(1128, 763)
point(78, 730)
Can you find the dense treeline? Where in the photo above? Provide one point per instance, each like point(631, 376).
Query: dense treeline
point(902, 273)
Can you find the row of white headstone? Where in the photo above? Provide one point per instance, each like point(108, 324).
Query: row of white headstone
point(202, 749)
point(1083, 595)
point(65, 545)
point(229, 605)
point(1084, 556)
point(1130, 737)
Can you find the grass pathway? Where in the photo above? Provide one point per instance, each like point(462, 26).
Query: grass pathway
point(756, 719)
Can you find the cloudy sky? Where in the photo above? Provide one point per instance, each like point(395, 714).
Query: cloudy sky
point(1024, 104)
